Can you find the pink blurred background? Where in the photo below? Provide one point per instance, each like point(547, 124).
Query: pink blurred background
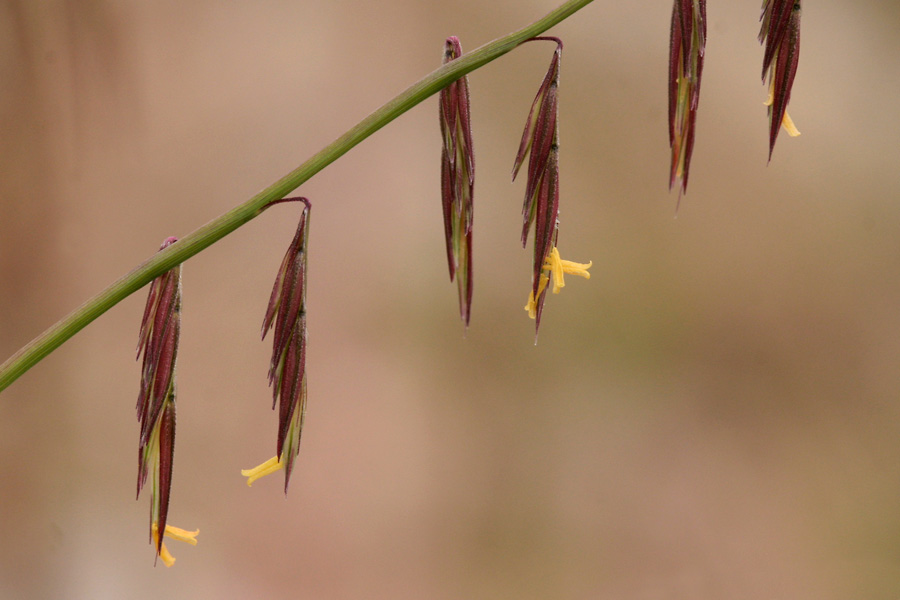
point(713, 415)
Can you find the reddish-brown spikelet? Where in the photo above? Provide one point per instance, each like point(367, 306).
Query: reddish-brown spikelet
point(540, 141)
point(687, 46)
point(287, 369)
point(166, 461)
point(780, 32)
point(158, 341)
point(457, 179)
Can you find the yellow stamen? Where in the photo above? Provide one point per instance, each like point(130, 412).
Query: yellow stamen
point(176, 533)
point(182, 535)
point(554, 264)
point(267, 468)
point(166, 556)
point(556, 267)
point(786, 120)
point(789, 126)
point(531, 307)
point(771, 98)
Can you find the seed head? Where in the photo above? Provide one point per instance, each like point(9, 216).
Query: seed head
point(287, 369)
point(457, 179)
point(158, 342)
point(540, 142)
point(780, 32)
point(687, 46)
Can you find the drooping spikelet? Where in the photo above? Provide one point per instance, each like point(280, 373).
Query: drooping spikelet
point(780, 32)
point(687, 46)
point(158, 342)
point(457, 180)
point(540, 141)
point(287, 369)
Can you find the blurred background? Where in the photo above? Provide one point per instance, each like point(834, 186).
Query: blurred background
point(713, 415)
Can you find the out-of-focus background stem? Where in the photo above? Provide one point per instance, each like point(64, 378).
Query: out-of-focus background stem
point(713, 415)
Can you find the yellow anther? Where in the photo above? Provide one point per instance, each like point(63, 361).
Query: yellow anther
point(786, 120)
point(789, 126)
point(556, 267)
point(531, 307)
point(267, 468)
point(182, 535)
point(176, 533)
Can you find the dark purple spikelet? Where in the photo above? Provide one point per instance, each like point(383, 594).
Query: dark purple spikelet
point(687, 46)
point(457, 179)
point(287, 369)
point(158, 342)
point(780, 32)
point(540, 141)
